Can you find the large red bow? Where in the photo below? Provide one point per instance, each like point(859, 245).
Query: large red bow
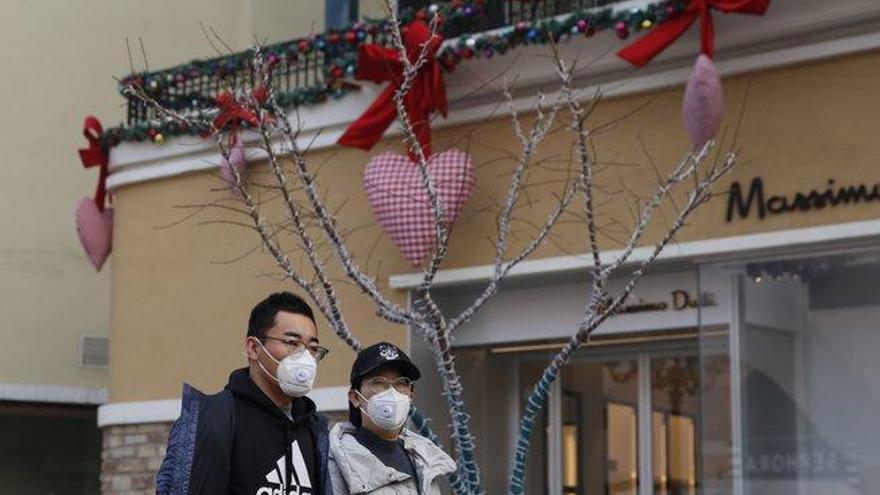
point(426, 95)
point(649, 46)
point(231, 111)
point(95, 156)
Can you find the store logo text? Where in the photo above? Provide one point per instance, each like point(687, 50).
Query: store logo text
point(742, 205)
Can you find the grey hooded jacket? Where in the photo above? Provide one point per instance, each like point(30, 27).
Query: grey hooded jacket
point(354, 470)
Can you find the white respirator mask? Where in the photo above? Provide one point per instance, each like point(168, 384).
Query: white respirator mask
point(388, 410)
point(295, 373)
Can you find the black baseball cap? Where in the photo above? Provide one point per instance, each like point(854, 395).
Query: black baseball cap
point(378, 355)
point(372, 358)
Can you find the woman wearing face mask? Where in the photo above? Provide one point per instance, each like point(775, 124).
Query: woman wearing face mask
point(374, 453)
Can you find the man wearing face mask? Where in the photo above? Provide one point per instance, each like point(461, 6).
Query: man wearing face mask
point(373, 453)
point(260, 435)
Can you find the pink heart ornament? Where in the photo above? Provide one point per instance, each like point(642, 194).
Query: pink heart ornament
point(703, 105)
point(95, 230)
point(237, 159)
point(394, 189)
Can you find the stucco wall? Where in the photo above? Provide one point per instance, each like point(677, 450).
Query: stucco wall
point(60, 60)
point(178, 314)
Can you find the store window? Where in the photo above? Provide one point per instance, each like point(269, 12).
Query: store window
point(804, 393)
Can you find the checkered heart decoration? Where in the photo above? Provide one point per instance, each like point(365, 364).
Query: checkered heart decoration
point(400, 202)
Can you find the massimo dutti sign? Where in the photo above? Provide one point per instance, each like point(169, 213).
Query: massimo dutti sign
point(758, 202)
point(680, 301)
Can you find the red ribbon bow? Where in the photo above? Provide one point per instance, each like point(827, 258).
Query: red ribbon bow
point(649, 46)
point(95, 156)
point(426, 95)
point(232, 111)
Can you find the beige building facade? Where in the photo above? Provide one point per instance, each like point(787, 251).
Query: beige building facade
point(681, 385)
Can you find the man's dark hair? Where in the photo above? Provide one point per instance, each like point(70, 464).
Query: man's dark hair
point(263, 315)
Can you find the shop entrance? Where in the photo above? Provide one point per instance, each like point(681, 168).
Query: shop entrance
point(622, 420)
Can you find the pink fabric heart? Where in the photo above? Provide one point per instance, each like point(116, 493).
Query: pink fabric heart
point(703, 105)
point(95, 230)
point(237, 159)
point(394, 190)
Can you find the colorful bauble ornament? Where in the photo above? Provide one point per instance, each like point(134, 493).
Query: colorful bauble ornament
point(400, 202)
point(703, 106)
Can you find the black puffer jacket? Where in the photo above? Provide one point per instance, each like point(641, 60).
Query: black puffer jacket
point(200, 454)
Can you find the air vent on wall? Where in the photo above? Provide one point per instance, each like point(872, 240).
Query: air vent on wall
point(95, 351)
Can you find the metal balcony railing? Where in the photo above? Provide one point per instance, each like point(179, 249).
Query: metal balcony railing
point(311, 70)
point(501, 13)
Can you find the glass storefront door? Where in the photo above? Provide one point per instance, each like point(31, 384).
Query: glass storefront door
point(626, 422)
point(599, 418)
point(674, 422)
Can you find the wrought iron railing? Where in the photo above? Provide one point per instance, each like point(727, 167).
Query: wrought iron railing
point(501, 13)
point(313, 69)
point(304, 71)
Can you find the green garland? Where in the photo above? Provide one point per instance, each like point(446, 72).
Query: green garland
point(338, 49)
point(560, 29)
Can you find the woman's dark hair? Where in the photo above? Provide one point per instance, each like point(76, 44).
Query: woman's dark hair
point(354, 414)
point(263, 315)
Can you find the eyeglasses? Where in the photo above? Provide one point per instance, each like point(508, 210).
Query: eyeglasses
point(297, 346)
point(379, 384)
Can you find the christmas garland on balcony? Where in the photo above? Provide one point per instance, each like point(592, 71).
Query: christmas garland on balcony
point(560, 29)
point(338, 51)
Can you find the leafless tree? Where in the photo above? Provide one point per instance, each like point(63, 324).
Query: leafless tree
point(313, 224)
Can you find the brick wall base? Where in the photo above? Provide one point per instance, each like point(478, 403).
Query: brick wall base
point(130, 458)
